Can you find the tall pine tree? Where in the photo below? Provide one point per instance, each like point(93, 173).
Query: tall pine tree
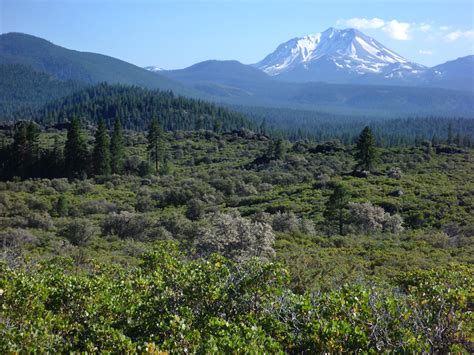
point(32, 136)
point(101, 157)
point(365, 151)
point(336, 207)
point(117, 148)
point(156, 148)
point(75, 150)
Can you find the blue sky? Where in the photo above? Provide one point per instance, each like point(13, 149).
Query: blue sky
point(175, 34)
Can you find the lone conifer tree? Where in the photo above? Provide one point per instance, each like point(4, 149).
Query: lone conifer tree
point(450, 134)
point(116, 148)
point(75, 151)
point(101, 158)
point(365, 151)
point(336, 207)
point(155, 143)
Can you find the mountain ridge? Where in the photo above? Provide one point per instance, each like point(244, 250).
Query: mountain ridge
point(346, 56)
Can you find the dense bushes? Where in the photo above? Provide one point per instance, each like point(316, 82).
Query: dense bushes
point(216, 305)
point(126, 225)
point(16, 238)
point(97, 206)
point(368, 218)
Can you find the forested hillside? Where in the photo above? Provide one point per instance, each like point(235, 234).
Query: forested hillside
point(21, 87)
point(136, 107)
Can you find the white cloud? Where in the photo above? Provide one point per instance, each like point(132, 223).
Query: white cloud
point(454, 36)
point(363, 23)
point(424, 27)
point(397, 30)
point(394, 29)
point(425, 52)
point(403, 31)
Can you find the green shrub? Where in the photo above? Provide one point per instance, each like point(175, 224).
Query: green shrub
point(172, 304)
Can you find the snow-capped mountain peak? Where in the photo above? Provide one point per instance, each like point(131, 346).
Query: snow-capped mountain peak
point(154, 68)
point(347, 51)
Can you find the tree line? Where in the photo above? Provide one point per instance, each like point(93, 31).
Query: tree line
point(324, 126)
point(25, 158)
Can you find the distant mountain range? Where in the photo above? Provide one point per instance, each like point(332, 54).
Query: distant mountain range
point(364, 86)
point(350, 57)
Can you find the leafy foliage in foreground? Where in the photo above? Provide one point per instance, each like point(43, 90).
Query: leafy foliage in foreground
point(173, 304)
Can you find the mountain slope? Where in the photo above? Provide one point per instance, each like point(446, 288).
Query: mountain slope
point(337, 56)
point(66, 64)
point(21, 87)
